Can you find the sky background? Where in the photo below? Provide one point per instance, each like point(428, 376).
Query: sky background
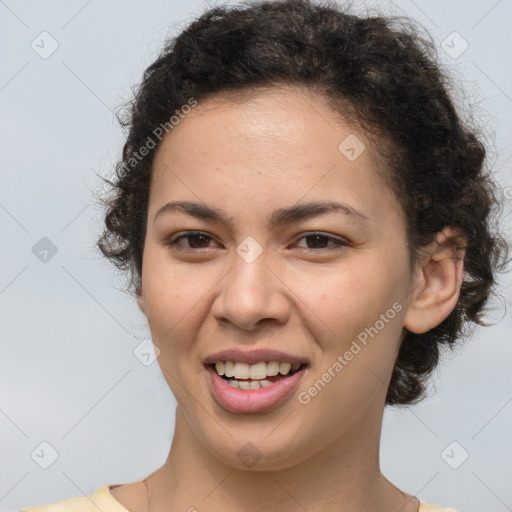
point(69, 376)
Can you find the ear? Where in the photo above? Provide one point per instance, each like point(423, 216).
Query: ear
point(140, 298)
point(437, 282)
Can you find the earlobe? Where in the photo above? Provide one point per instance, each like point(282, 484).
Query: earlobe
point(436, 290)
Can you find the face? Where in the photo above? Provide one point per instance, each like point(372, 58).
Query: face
point(257, 273)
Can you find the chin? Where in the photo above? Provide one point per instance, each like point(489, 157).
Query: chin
point(260, 454)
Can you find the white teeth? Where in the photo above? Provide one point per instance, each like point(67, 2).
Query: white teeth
point(284, 368)
point(272, 368)
point(229, 369)
point(246, 385)
point(243, 384)
point(241, 371)
point(258, 371)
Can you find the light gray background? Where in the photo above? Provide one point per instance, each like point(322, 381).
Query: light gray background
point(68, 374)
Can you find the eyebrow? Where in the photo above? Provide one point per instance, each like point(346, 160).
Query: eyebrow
point(280, 216)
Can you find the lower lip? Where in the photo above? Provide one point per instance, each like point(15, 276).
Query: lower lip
point(252, 400)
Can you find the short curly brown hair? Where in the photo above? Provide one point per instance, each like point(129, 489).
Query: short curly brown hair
point(382, 74)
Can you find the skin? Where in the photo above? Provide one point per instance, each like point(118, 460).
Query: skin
point(273, 150)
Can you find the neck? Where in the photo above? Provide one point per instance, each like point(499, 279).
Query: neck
point(344, 476)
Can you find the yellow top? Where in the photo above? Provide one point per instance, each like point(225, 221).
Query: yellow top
point(107, 503)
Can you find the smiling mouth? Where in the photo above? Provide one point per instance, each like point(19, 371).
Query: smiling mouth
point(255, 376)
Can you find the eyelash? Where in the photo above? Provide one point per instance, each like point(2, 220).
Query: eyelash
point(338, 242)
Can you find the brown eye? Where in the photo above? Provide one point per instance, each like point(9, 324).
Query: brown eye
point(197, 240)
point(319, 241)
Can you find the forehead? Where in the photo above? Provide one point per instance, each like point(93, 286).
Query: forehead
point(285, 143)
point(286, 117)
point(276, 127)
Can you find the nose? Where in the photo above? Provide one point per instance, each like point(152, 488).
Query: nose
point(252, 294)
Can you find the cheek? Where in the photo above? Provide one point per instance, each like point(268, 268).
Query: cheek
point(355, 362)
point(172, 298)
point(174, 311)
point(349, 298)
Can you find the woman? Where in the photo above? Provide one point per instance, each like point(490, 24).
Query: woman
point(305, 220)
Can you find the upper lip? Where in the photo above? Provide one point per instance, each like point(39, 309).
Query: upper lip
point(253, 356)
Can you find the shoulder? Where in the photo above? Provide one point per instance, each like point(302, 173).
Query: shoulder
point(429, 507)
point(101, 499)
